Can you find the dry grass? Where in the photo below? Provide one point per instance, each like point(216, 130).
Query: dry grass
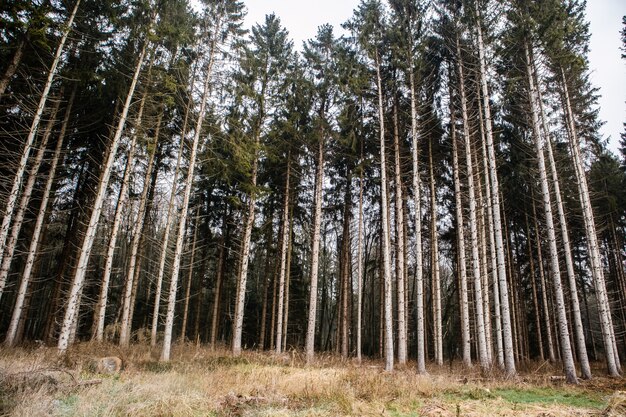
point(201, 382)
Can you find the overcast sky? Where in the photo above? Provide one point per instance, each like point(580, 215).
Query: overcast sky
point(302, 18)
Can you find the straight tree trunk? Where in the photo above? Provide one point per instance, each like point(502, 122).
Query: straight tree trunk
point(567, 249)
point(436, 277)
point(132, 275)
point(400, 255)
point(606, 325)
point(19, 308)
point(218, 284)
point(359, 269)
point(183, 330)
point(534, 289)
point(492, 241)
point(81, 268)
point(419, 277)
point(17, 181)
point(478, 293)
point(171, 301)
point(388, 339)
point(507, 336)
point(283, 263)
point(100, 311)
point(315, 250)
point(460, 224)
point(544, 290)
point(168, 226)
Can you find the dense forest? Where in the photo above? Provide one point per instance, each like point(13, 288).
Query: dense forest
point(427, 184)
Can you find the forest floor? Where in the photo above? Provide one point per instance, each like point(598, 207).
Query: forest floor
point(201, 382)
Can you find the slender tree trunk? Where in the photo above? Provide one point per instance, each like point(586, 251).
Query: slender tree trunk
point(419, 277)
point(478, 293)
point(168, 226)
point(566, 350)
point(507, 336)
point(544, 289)
point(132, 275)
point(218, 284)
point(604, 310)
point(81, 268)
point(567, 250)
point(19, 308)
point(400, 256)
point(534, 289)
point(171, 301)
point(436, 276)
point(492, 241)
point(359, 271)
point(287, 280)
point(283, 262)
point(192, 256)
point(385, 228)
point(460, 224)
point(245, 255)
point(100, 311)
point(315, 250)
point(17, 181)
point(346, 288)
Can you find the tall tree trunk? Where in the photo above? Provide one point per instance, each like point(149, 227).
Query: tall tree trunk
point(100, 311)
point(478, 293)
point(359, 269)
point(606, 324)
point(419, 276)
point(168, 225)
point(566, 350)
point(567, 248)
point(183, 330)
point(544, 289)
point(171, 300)
point(435, 271)
point(385, 227)
point(400, 255)
point(507, 336)
point(533, 278)
point(287, 280)
point(460, 224)
point(81, 268)
point(315, 250)
point(17, 181)
point(221, 263)
point(132, 275)
point(492, 240)
point(245, 255)
point(19, 308)
point(346, 287)
point(283, 262)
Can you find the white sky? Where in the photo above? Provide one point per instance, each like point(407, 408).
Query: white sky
point(303, 17)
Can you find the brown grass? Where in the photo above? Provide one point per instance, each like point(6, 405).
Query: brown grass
point(202, 382)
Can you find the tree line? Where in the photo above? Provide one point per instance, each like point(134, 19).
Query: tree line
point(429, 185)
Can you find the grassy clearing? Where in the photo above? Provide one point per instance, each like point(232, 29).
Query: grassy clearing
point(201, 382)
